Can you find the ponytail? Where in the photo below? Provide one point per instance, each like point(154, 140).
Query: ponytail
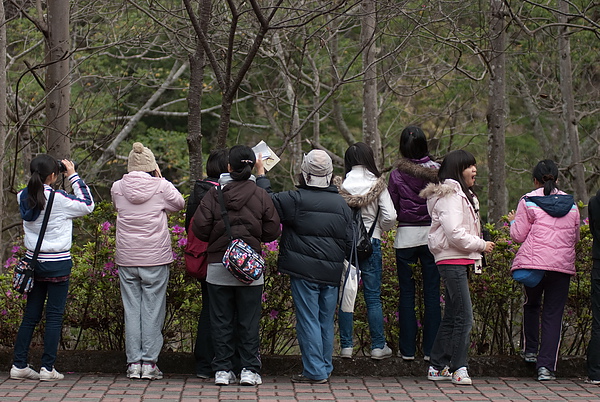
point(40, 167)
point(546, 173)
point(241, 161)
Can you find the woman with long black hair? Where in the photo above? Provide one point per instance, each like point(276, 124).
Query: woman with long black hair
point(456, 243)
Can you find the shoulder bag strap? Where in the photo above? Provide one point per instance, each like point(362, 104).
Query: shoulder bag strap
point(38, 245)
point(372, 229)
point(224, 215)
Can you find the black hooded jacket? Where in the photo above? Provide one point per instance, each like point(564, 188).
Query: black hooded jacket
point(201, 187)
point(317, 232)
point(594, 216)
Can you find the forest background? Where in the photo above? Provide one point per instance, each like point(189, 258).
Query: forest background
point(513, 82)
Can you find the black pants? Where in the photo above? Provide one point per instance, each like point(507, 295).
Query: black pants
point(204, 351)
point(593, 352)
point(226, 304)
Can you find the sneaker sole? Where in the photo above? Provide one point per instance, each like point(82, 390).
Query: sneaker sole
point(439, 378)
point(250, 383)
point(462, 382)
point(51, 379)
point(380, 357)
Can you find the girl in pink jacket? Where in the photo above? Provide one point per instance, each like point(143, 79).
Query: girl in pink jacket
point(142, 199)
point(547, 223)
point(456, 244)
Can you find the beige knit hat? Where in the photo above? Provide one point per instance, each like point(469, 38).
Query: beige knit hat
point(141, 159)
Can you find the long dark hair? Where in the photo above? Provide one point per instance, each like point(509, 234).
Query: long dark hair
point(241, 160)
point(40, 167)
point(217, 162)
point(360, 154)
point(546, 173)
point(413, 143)
point(453, 166)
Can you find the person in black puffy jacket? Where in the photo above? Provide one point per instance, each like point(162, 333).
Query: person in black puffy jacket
point(315, 240)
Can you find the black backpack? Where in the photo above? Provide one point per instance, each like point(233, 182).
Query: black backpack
point(364, 247)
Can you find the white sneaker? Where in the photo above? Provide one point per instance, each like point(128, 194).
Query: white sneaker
point(439, 375)
point(346, 353)
point(26, 373)
point(151, 372)
point(224, 377)
point(134, 370)
point(53, 375)
point(381, 353)
point(248, 377)
point(461, 377)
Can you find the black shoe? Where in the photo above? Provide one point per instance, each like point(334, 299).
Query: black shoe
point(299, 378)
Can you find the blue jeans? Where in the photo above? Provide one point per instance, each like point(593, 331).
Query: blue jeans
point(451, 345)
point(407, 318)
point(315, 312)
point(370, 273)
point(54, 295)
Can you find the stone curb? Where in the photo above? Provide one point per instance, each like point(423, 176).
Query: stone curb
point(86, 361)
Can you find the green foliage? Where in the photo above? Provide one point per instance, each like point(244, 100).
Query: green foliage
point(94, 314)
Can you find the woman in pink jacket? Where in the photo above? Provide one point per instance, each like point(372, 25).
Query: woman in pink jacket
point(456, 244)
point(547, 223)
point(142, 199)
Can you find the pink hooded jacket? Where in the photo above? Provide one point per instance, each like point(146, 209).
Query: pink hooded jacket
point(142, 203)
point(548, 242)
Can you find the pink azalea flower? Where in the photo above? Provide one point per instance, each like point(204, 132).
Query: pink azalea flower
point(272, 246)
point(264, 297)
point(273, 314)
point(178, 229)
point(106, 226)
point(182, 242)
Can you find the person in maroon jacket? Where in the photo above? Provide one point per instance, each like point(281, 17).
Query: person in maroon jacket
point(415, 170)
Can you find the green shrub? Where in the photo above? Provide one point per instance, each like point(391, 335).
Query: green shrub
point(94, 314)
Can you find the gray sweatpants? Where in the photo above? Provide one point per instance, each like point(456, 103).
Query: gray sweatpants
point(144, 295)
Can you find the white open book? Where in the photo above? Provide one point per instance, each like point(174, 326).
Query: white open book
point(269, 157)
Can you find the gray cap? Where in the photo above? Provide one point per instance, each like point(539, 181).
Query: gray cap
point(317, 168)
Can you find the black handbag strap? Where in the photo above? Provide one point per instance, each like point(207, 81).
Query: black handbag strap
point(224, 214)
point(372, 229)
point(38, 245)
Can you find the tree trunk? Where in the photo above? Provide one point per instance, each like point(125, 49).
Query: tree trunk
point(370, 107)
point(497, 192)
point(295, 148)
point(58, 85)
point(569, 118)
point(3, 116)
point(197, 63)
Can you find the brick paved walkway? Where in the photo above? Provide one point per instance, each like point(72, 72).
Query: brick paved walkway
point(117, 388)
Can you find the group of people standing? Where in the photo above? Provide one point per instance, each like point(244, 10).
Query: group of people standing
point(432, 205)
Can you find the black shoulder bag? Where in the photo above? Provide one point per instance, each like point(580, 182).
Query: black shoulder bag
point(23, 276)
